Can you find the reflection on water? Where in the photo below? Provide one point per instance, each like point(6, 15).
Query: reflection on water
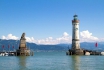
point(22, 62)
point(76, 62)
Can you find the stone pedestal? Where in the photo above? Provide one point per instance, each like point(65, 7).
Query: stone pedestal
point(23, 52)
point(75, 52)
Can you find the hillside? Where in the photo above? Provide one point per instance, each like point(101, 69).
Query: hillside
point(58, 47)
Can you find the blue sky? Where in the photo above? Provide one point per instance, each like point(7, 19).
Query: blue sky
point(41, 19)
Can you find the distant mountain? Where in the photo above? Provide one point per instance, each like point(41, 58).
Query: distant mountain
point(66, 46)
point(58, 47)
point(91, 46)
point(33, 46)
point(87, 45)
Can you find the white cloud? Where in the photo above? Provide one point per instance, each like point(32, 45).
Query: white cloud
point(50, 38)
point(30, 39)
point(10, 36)
point(65, 34)
point(64, 39)
point(86, 36)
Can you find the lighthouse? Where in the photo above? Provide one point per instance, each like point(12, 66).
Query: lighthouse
point(75, 33)
point(75, 48)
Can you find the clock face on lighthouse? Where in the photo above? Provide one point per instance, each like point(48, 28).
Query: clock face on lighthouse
point(76, 28)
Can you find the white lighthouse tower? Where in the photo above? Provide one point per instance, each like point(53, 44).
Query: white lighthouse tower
point(75, 49)
point(75, 33)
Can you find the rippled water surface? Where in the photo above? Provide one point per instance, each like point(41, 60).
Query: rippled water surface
point(52, 61)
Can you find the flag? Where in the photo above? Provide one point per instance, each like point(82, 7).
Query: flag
point(96, 44)
point(13, 46)
point(8, 46)
point(3, 46)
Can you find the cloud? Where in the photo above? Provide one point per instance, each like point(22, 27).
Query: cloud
point(30, 39)
point(65, 34)
point(9, 36)
point(65, 38)
point(50, 40)
point(86, 36)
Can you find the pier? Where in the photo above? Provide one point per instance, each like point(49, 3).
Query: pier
point(14, 53)
point(85, 52)
point(21, 51)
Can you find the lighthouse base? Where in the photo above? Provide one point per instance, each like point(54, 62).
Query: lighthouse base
point(75, 52)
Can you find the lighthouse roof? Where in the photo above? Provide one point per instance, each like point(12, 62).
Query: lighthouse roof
point(75, 20)
point(75, 15)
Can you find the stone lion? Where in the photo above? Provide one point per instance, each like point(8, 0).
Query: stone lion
point(23, 36)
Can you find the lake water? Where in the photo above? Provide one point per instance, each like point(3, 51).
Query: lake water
point(51, 61)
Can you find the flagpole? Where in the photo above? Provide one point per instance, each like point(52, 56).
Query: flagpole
point(3, 47)
point(8, 48)
point(13, 48)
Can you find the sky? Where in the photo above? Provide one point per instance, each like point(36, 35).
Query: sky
point(50, 21)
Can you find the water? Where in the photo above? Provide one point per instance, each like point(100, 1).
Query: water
point(52, 61)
